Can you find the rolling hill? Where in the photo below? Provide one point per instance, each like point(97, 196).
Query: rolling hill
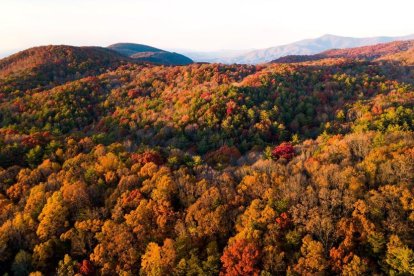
point(54, 64)
point(150, 54)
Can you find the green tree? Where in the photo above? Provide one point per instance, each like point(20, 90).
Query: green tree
point(399, 257)
point(34, 156)
point(22, 263)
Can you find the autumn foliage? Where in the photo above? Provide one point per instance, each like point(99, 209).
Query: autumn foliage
point(284, 150)
point(109, 167)
point(240, 259)
point(86, 268)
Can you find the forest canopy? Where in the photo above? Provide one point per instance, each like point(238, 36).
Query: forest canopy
point(111, 167)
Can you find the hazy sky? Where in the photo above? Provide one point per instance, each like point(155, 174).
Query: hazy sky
point(194, 24)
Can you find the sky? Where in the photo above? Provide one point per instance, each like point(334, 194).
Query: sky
point(198, 25)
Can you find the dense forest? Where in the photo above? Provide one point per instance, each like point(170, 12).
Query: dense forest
point(111, 167)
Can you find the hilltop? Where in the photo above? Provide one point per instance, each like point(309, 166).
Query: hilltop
point(55, 64)
point(146, 53)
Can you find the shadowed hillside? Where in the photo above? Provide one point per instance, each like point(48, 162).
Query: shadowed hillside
point(146, 53)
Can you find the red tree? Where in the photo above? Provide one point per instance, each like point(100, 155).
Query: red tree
point(231, 106)
point(283, 220)
point(284, 150)
point(147, 156)
point(224, 155)
point(86, 268)
point(240, 258)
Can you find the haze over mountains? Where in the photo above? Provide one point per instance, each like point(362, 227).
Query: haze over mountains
point(60, 63)
point(400, 51)
point(144, 53)
point(303, 47)
point(220, 56)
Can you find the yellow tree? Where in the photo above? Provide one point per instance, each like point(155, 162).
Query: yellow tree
point(312, 261)
point(158, 260)
point(399, 257)
point(53, 217)
point(116, 251)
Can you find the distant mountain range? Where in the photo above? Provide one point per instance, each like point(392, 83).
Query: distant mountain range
point(219, 56)
point(303, 47)
point(150, 54)
point(308, 49)
point(401, 51)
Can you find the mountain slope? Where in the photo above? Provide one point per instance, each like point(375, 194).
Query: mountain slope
point(39, 66)
point(398, 50)
point(405, 57)
point(146, 53)
point(311, 46)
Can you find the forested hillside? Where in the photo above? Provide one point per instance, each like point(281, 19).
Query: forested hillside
point(109, 167)
point(145, 53)
point(401, 51)
point(47, 66)
point(310, 47)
